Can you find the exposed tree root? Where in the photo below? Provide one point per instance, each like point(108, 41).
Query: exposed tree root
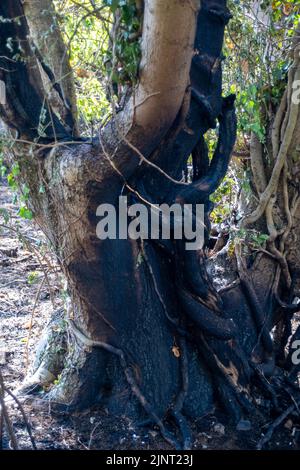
point(129, 374)
point(258, 313)
point(266, 385)
point(176, 410)
point(205, 319)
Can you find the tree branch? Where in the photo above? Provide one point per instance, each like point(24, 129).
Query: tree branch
point(46, 34)
point(199, 190)
point(26, 108)
point(282, 153)
point(167, 51)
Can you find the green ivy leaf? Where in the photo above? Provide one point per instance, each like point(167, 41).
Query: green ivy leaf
point(25, 213)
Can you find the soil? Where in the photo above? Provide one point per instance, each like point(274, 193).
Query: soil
point(31, 287)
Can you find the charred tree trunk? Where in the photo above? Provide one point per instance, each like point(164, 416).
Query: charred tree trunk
point(148, 332)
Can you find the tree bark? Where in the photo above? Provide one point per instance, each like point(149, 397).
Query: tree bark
point(150, 334)
point(48, 44)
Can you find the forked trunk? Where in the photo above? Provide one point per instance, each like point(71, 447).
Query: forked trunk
point(145, 329)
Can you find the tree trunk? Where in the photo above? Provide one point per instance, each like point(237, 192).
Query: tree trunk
point(148, 333)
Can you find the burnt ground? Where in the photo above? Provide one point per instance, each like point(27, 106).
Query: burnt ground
point(31, 286)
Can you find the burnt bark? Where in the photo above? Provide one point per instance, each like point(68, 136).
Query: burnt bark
point(150, 335)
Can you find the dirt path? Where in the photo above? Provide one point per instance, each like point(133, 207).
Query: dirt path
point(27, 301)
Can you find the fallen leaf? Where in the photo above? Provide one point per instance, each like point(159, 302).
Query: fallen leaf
point(176, 351)
point(28, 325)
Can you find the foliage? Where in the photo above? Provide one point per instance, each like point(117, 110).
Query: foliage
point(86, 35)
point(127, 47)
point(103, 38)
point(255, 69)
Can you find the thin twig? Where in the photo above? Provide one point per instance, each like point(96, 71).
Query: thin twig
point(28, 427)
point(6, 418)
point(272, 428)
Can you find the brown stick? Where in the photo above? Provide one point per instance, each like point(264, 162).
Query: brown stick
point(6, 418)
point(28, 427)
point(272, 428)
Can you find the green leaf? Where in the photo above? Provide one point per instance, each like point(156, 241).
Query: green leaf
point(32, 277)
point(15, 171)
point(25, 213)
